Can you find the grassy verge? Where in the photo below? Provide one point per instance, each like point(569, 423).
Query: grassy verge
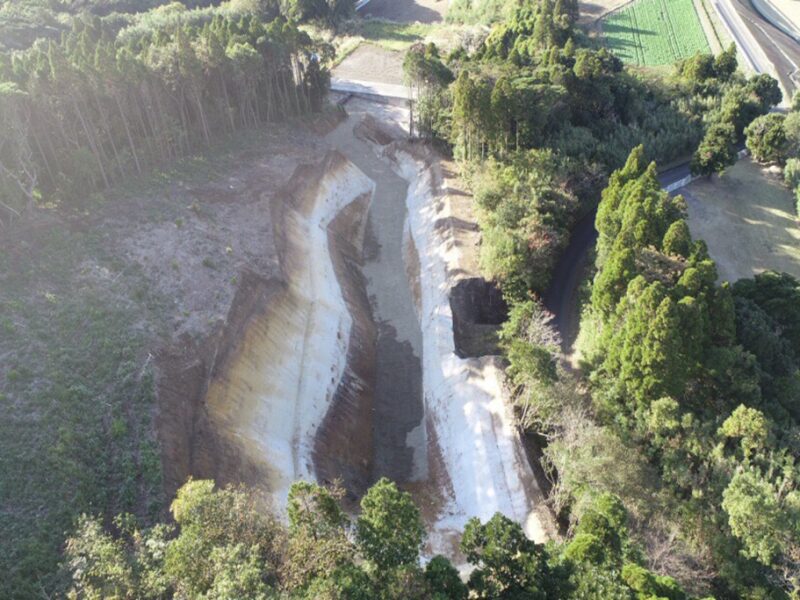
point(747, 219)
point(389, 35)
point(395, 36)
point(76, 391)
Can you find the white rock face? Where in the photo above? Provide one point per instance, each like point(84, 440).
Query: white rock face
point(464, 398)
point(291, 360)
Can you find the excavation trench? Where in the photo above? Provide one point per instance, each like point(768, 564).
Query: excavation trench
point(367, 358)
point(398, 430)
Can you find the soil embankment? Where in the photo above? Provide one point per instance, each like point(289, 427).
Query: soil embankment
point(482, 453)
point(270, 396)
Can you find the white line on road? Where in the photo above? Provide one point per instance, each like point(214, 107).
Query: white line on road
point(752, 51)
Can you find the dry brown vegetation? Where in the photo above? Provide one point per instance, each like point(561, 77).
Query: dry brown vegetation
point(747, 219)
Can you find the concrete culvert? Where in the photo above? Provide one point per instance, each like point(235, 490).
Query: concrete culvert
point(478, 312)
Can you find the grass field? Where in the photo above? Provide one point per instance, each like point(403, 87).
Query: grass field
point(655, 32)
point(747, 219)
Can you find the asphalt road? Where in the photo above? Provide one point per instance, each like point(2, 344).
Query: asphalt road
point(767, 48)
point(780, 48)
point(561, 298)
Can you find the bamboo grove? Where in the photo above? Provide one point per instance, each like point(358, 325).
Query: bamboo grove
point(99, 106)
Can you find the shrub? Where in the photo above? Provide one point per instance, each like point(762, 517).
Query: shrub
point(766, 138)
point(791, 127)
point(797, 203)
point(791, 173)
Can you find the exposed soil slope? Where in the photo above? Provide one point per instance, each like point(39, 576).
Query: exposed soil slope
point(275, 391)
point(474, 426)
point(344, 363)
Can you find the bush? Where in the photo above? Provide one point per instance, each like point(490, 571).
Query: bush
point(766, 138)
point(791, 127)
point(797, 203)
point(791, 173)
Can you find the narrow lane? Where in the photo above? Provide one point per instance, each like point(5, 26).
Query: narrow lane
point(561, 297)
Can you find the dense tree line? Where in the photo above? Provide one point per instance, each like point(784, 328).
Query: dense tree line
point(701, 377)
point(691, 411)
point(223, 545)
point(23, 22)
point(95, 108)
point(775, 139)
point(536, 84)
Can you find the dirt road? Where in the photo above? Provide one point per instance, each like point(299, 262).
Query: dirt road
point(398, 427)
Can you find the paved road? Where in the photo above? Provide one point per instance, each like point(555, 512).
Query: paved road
point(780, 48)
point(766, 48)
point(561, 297)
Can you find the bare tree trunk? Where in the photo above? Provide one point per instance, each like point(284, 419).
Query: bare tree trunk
point(128, 135)
point(91, 141)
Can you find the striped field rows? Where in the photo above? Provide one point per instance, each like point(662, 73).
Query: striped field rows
point(655, 32)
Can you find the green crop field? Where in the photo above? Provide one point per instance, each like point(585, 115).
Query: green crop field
point(655, 32)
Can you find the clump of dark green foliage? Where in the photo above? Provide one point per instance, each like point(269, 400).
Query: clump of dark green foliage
point(546, 117)
point(775, 139)
point(224, 545)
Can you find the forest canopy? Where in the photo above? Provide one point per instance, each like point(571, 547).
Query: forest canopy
point(97, 107)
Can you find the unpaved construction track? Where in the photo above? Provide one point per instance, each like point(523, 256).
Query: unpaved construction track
point(399, 433)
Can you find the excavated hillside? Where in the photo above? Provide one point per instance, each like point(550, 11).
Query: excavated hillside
point(368, 352)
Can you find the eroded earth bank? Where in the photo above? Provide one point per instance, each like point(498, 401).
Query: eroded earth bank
point(369, 354)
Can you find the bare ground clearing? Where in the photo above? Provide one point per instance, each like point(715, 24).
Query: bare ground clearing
point(372, 63)
point(595, 9)
point(747, 219)
point(407, 11)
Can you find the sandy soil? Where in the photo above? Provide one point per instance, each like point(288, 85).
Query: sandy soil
point(466, 455)
point(372, 63)
point(440, 424)
point(747, 219)
point(198, 237)
point(465, 398)
point(407, 11)
point(275, 392)
point(399, 431)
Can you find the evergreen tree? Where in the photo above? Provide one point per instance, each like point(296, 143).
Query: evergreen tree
point(716, 152)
